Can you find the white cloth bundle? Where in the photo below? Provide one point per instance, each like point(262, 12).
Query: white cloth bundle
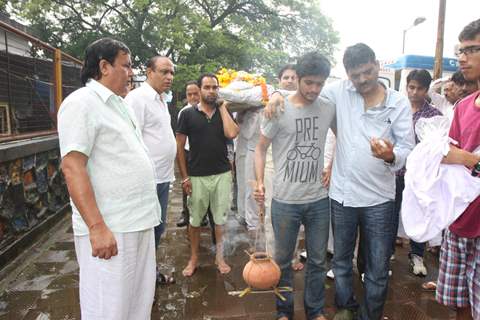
point(243, 95)
point(435, 194)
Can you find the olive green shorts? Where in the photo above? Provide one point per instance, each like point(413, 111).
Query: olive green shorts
point(214, 190)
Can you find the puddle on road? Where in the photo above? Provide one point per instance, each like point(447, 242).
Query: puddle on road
point(70, 267)
point(16, 304)
point(46, 293)
point(43, 316)
point(170, 307)
point(194, 294)
point(37, 284)
point(64, 245)
point(55, 256)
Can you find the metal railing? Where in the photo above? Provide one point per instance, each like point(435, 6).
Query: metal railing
point(35, 77)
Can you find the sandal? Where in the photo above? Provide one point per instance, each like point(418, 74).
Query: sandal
point(429, 286)
point(163, 279)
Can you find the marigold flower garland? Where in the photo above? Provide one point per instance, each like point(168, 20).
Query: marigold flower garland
point(226, 76)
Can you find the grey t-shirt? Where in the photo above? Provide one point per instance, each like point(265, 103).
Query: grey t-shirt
point(298, 142)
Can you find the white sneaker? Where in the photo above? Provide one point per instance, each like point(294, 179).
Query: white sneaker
point(417, 267)
point(330, 274)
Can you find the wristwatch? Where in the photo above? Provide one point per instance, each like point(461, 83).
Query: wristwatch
point(390, 164)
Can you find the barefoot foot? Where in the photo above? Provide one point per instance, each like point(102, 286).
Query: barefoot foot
point(223, 267)
point(190, 269)
point(297, 266)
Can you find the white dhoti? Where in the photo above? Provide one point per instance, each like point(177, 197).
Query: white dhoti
point(122, 287)
point(240, 155)
point(251, 206)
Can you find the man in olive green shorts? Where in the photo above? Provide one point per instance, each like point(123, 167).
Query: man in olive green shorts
point(208, 127)
point(213, 191)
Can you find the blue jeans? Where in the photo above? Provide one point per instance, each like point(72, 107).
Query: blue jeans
point(286, 221)
point(377, 233)
point(162, 193)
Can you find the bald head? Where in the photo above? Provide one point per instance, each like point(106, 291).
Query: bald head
point(160, 72)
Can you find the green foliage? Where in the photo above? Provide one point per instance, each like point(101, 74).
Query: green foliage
point(3, 5)
point(198, 35)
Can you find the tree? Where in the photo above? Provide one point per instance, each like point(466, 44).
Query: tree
point(198, 35)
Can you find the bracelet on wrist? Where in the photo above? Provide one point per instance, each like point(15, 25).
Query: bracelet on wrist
point(185, 180)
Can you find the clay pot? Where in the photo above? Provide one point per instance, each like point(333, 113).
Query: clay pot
point(261, 272)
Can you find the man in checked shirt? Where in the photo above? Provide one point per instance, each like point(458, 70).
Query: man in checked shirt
point(418, 82)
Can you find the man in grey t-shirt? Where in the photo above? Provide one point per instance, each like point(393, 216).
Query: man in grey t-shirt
point(299, 196)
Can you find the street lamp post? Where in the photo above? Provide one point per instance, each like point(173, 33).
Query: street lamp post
point(416, 22)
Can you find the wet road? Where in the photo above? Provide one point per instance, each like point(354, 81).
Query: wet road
point(44, 282)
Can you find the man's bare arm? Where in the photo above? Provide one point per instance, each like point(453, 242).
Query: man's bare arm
point(459, 156)
point(276, 102)
point(260, 156)
point(74, 167)
point(182, 162)
point(230, 128)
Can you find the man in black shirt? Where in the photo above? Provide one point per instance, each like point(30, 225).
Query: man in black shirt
point(208, 126)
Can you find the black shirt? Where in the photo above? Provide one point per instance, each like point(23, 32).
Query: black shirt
point(208, 144)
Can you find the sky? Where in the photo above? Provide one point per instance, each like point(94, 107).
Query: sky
point(380, 24)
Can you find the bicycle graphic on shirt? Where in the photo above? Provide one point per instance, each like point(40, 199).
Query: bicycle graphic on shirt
point(304, 152)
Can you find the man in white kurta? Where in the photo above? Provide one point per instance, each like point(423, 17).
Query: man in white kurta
point(149, 105)
point(111, 182)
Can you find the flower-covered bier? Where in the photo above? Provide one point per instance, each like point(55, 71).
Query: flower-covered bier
point(243, 89)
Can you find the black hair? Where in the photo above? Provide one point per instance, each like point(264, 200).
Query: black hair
point(458, 78)
point(151, 62)
point(205, 75)
point(285, 68)
point(312, 64)
point(357, 55)
point(471, 31)
point(105, 48)
point(422, 76)
point(189, 83)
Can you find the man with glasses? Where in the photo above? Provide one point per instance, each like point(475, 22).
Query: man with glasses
point(150, 107)
point(459, 276)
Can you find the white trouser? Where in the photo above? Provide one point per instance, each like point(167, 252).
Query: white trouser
point(251, 207)
point(240, 156)
point(437, 241)
point(123, 287)
point(268, 183)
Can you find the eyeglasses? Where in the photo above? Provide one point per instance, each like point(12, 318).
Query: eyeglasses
point(467, 50)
